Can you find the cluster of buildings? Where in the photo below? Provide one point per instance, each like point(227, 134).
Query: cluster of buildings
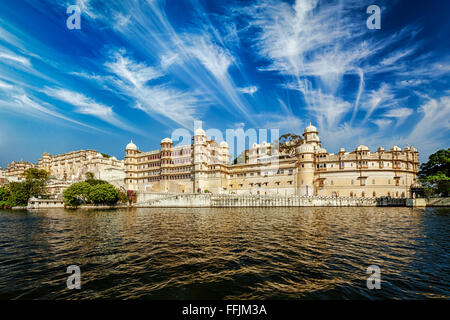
point(67, 168)
point(205, 166)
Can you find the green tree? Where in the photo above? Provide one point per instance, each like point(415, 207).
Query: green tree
point(94, 182)
point(123, 198)
point(4, 194)
point(435, 174)
point(288, 142)
point(104, 194)
point(19, 193)
point(4, 198)
point(77, 194)
point(35, 174)
point(89, 176)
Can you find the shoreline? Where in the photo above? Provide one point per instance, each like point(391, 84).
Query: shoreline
point(244, 201)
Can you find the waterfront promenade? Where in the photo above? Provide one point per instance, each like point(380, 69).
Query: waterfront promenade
point(148, 199)
point(208, 200)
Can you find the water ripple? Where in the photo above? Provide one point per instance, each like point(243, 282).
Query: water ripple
point(254, 253)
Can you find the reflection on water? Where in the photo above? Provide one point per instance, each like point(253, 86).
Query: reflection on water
point(232, 253)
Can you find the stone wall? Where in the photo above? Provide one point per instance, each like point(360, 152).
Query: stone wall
point(213, 200)
point(438, 202)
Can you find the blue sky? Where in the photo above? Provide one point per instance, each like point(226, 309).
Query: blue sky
point(141, 69)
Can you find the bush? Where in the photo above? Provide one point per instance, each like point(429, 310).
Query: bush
point(94, 182)
point(17, 193)
point(100, 192)
point(38, 174)
point(4, 194)
point(131, 196)
point(104, 194)
point(20, 192)
point(6, 204)
point(123, 197)
point(77, 194)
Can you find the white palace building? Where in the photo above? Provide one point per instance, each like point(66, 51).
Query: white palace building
point(205, 166)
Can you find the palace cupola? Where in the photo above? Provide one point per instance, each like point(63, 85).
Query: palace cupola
point(311, 135)
point(131, 148)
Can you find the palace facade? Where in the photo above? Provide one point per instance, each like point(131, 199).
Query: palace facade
point(2, 177)
point(15, 170)
point(73, 166)
point(204, 166)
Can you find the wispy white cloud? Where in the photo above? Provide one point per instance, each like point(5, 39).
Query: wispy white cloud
point(26, 106)
point(382, 123)
point(433, 128)
point(86, 8)
point(401, 114)
point(251, 90)
point(130, 79)
point(377, 98)
point(137, 74)
point(214, 58)
point(397, 55)
point(168, 59)
point(88, 106)
point(14, 58)
point(4, 85)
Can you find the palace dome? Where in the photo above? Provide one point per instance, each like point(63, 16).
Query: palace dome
point(362, 148)
point(131, 146)
point(413, 149)
point(310, 128)
point(166, 140)
point(199, 132)
point(224, 144)
point(321, 150)
point(396, 148)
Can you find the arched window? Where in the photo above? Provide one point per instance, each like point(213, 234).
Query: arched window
point(374, 194)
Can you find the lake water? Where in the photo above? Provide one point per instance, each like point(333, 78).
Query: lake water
point(230, 253)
